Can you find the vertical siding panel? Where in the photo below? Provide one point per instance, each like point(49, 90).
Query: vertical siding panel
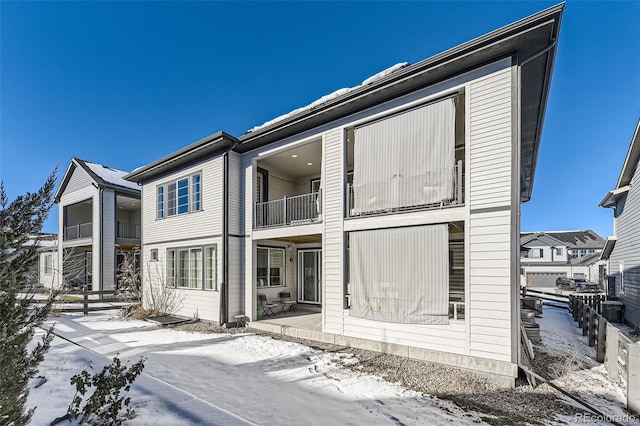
point(490, 203)
point(333, 238)
point(107, 239)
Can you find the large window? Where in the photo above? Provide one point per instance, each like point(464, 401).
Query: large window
point(192, 267)
point(270, 271)
point(179, 197)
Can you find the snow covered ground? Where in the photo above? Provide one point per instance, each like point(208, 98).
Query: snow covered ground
point(578, 371)
point(239, 379)
point(201, 379)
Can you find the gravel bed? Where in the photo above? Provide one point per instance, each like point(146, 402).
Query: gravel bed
point(496, 404)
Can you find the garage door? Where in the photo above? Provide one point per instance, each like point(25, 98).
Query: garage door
point(543, 279)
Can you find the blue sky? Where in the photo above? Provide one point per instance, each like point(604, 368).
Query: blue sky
point(123, 83)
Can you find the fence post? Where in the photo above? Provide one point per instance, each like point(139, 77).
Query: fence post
point(591, 331)
point(633, 374)
point(85, 307)
point(577, 315)
point(585, 319)
point(611, 353)
point(602, 339)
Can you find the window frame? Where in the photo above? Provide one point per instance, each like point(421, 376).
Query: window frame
point(179, 196)
point(186, 267)
point(48, 264)
point(268, 277)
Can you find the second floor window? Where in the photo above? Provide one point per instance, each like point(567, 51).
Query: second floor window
point(179, 196)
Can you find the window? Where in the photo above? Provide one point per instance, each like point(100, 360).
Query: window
point(48, 264)
point(192, 268)
point(210, 270)
point(160, 202)
point(270, 272)
point(315, 185)
point(622, 279)
point(536, 253)
point(179, 197)
point(558, 251)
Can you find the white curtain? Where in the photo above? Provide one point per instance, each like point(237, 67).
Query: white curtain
point(405, 160)
point(400, 274)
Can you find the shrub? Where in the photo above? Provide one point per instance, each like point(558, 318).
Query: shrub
point(109, 397)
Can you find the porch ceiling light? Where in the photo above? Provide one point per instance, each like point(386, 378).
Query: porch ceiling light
point(294, 155)
point(309, 164)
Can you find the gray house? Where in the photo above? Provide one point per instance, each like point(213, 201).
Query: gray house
point(622, 249)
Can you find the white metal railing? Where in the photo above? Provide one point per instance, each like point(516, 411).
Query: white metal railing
point(80, 230)
point(129, 230)
point(286, 211)
point(458, 198)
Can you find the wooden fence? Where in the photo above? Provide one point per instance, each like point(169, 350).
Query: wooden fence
point(620, 355)
point(593, 324)
point(90, 301)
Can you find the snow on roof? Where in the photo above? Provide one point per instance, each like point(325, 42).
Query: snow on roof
point(111, 175)
point(334, 95)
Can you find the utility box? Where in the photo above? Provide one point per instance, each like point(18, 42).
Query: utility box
point(613, 311)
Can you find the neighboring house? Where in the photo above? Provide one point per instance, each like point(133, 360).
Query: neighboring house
point(548, 255)
point(622, 249)
point(98, 218)
point(48, 274)
point(392, 206)
point(43, 273)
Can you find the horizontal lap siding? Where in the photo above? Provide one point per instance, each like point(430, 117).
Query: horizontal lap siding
point(203, 304)
point(445, 338)
point(626, 250)
point(79, 179)
point(333, 238)
point(207, 222)
point(490, 232)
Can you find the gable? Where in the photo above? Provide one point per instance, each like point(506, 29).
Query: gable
point(543, 241)
point(74, 179)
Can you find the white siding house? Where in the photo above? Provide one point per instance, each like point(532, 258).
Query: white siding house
point(98, 218)
point(392, 207)
point(621, 249)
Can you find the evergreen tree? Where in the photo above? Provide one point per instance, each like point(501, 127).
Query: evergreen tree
point(20, 221)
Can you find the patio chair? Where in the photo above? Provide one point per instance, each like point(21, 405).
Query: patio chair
point(288, 305)
point(267, 308)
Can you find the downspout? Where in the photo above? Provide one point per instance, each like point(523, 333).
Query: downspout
point(101, 245)
point(224, 290)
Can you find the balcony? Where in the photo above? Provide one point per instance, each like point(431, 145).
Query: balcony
point(78, 231)
point(129, 231)
point(456, 200)
point(286, 211)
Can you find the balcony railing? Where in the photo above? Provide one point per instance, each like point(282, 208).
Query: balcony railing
point(457, 199)
point(129, 230)
point(81, 230)
point(296, 210)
